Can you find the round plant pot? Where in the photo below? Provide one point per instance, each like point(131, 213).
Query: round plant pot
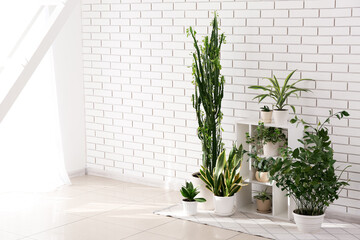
point(262, 176)
point(224, 206)
point(271, 149)
point(189, 207)
point(308, 224)
point(263, 206)
point(204, 193)
point(281, 116)
point(266, 116)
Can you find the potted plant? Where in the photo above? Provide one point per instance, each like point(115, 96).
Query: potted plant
point(279, 95)
point(225, 180)
point(209, 92)
point(263, 201)
point(266, 114)
point(262, 166)
point(308, 174)
point(189, 193)
point(268, 139)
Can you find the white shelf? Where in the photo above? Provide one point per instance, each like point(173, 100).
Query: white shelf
point(281, 204)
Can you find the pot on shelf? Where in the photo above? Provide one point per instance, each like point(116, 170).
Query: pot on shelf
point(266, 116)
point(204, 193)
point(263, 206)
point(308, 224)
point(189, 207)
point(271, 149)
point(281, 116)
point(262, 176)
point(224, 206)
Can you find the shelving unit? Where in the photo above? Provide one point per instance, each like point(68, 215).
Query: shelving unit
point(282, 206)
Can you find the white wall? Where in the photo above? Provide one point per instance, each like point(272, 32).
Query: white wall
point(69, 82)
point(140, 121)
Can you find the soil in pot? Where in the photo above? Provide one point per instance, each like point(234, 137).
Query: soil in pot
point(263, 206)
point(262, 176)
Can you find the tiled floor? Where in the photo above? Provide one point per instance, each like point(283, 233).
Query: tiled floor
point(95, 208)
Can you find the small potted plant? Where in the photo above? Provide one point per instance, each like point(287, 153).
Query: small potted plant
point(266, 114)
point(225, 180)
point(262, 166)
point(263, 201)
point(279, 95)
point(189, 193)
point(266, 138)
point(308, 175)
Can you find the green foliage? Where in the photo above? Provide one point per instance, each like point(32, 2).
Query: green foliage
point(261, 164)
point(265, 135)
point(307, 173)
point(225, 179)
point(280, 94)
point(209, 92)
point(265, 109)
point(263, 195)
point(189, 192)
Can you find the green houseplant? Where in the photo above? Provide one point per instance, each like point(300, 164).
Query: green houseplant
point(263, 201)
point(308, 174)
point(266, 114)
point(262, 166)
point(268, 139)
point(189, 192)
point(209, 92)
point(280, 94)
point(225, 180)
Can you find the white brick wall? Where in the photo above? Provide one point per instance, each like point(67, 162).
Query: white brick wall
point(140, 120)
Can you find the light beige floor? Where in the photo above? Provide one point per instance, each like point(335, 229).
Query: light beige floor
point(95, 208)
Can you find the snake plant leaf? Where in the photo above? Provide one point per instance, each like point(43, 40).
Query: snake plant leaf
point(220, 164)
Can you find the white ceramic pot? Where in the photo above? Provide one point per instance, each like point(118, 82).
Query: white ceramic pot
point(266, 116)
point(281, 116)
point(190, 208)
point(271, 149)
point(204, 193)
point(224, 206)
point(262, 176)
point(308, 224)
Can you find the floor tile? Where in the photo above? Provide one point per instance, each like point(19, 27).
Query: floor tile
point(148, 236)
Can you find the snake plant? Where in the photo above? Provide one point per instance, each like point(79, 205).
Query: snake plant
point(280, 93)
point(209, 92)
point(225, 179)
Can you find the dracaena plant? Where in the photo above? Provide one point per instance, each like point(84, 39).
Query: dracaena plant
point(209, 92)
point(189, 192)
point(225, 179)
point(280, 93)
point(307, 173)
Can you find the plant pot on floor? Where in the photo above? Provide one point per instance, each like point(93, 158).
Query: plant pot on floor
point(308, 224)
point(271, 149)
point(189, 207)
point(204, 193)
point(262, 176)
point(263, 206)
point(224, 206)
point(266, 116)
point(281, 116)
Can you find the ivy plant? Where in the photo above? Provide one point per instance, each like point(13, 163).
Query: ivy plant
point(209, 92)
point(307, 173)
point(261, 164)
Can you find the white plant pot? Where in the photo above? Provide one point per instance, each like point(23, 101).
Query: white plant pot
point(281, 116)
point(204, 193)
point(271, 149)
point(308, 224)
point(224, 206)
point(190, 208)
point(266, 116)
point(262, 176)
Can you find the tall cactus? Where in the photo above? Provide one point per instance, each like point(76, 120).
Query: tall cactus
point(209, 92)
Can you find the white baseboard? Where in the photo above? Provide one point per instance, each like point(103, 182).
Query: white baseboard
point(77, 173)
point(171, 185)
